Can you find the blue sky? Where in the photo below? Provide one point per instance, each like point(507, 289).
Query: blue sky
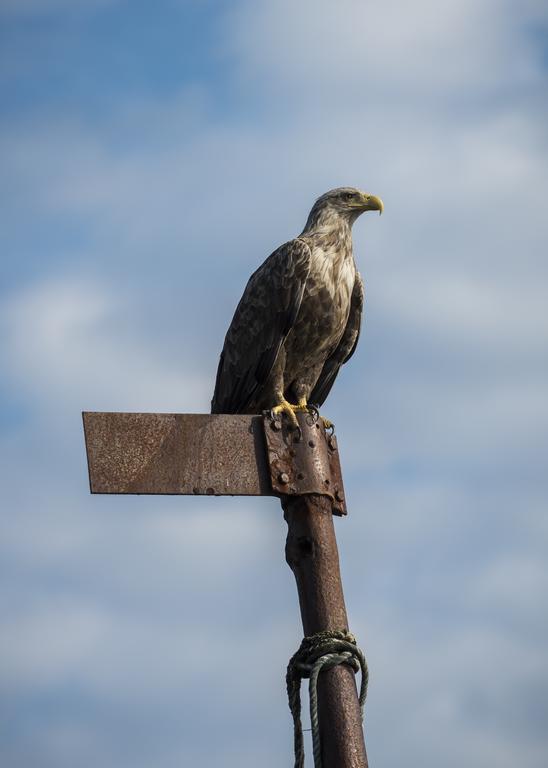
point(153, 155)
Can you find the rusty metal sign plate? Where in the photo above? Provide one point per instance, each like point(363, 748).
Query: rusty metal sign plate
point(211, 454)
point(176, 453)
point(304, 463)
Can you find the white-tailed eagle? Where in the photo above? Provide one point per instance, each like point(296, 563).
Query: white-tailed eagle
point(299, 318)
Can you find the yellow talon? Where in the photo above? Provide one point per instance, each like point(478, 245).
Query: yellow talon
point(288, 409)
point(302, 407)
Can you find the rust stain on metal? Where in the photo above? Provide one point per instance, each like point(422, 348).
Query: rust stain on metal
point(304, 464)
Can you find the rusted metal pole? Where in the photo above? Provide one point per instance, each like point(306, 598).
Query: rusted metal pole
point(311, 553)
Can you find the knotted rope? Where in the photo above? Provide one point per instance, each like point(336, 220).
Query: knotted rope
point(318, 652)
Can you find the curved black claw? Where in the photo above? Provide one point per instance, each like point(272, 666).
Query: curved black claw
point(313, 412)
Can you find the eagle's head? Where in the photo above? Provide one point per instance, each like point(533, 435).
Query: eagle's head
point(346, 203)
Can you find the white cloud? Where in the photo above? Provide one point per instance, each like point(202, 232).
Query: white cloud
point(467, 308)
point(61, 350)
point(50, 643)
point(515, 583)
point(468, 676)
point(321, 50)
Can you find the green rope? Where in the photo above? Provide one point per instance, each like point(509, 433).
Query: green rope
point(319, 652)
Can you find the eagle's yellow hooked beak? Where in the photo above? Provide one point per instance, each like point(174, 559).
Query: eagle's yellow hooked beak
point(372, 203)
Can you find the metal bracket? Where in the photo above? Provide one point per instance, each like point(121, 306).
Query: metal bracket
point(304, 463)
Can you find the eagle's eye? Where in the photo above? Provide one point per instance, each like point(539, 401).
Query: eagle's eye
point(349, 196)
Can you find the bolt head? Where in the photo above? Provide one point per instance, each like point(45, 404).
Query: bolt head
point(283, 477)
point(276, 425)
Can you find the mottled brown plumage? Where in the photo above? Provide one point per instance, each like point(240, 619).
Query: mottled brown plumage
point(299, 318)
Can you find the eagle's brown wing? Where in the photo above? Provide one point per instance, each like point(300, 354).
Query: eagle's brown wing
point(263, 318)
point(345, 348)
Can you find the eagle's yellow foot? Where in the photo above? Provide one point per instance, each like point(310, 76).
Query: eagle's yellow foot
point(302, 407)
point(289, 409)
